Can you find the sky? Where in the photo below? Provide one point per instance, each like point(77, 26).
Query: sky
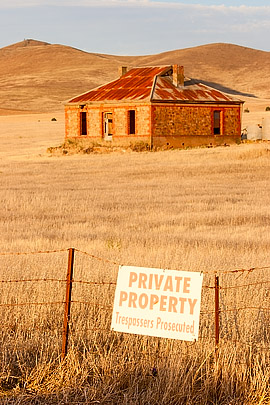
point(136, 27)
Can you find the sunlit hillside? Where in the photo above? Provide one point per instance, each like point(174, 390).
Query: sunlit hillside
point(38, 76)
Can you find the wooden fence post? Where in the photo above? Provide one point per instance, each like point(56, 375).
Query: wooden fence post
point(67, 302)
point(217, 314)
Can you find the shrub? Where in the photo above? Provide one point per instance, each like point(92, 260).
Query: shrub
point(139, 146)
point(267, 108)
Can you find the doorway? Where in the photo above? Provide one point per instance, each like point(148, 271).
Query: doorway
point(108, 126)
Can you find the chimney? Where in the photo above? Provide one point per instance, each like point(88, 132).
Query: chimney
point(178, 75)
point(122, 70)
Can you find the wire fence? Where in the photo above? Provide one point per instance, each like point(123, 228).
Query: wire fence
point(221, 313)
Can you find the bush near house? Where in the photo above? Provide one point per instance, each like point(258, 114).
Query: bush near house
point(84, 146)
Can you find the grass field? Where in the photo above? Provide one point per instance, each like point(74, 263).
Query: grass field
point(199, 210)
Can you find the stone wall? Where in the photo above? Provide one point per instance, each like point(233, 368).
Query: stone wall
point(172, 125)
point(232, 121)
point(192, 125)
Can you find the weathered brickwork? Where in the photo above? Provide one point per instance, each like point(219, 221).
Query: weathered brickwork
point(178, 120)
point(163, 124)
point(94, 123)
point(189, 125)
point(120, 122)
point(232, 121)
point(193, 120)
point(120, 126)
point(143, 120)
point(72, 119)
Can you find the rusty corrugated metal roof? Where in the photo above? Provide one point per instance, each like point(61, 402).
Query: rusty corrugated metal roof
point(135, 85)
point(192, 91)
point(153, 84)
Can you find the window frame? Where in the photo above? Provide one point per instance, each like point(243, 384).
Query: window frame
point(218, 130)
point(83, 123)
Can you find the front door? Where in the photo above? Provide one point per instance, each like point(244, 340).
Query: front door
point(108, 126)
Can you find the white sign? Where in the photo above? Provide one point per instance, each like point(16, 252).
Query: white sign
point(155, 302)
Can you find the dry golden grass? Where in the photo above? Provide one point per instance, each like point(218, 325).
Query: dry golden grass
point(199, 210)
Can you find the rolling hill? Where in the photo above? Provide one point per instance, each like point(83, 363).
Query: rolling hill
point(38, 76)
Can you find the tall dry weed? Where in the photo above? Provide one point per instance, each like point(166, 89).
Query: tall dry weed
point(198, 210)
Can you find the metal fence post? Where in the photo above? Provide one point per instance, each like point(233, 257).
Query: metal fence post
point(217, 314)
point(67, 302)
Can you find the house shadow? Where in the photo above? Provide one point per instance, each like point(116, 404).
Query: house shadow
point(225, 89)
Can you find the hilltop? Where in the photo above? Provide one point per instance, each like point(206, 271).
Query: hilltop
point(39, 76)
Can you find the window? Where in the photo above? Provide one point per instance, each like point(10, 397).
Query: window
point(83, 123)
point(131, 122)
point(217, 123)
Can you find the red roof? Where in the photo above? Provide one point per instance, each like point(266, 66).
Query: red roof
point(192, 91)
point(136, 84)
point(152, 84)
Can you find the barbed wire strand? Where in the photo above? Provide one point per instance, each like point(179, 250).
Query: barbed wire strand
point(31, 303)
point(33, 280)
point(244, 285)
point(95, 282)
point(59, 280)
point(97, 257)
point(237, 286)
point(93, 303)
point(235, 270)
point(118, 264)
point(204, 272)
point(32, 253)
point(102, 283)
point(244, 308)
point(235, 309)
point(10, 325)
point(111, 306)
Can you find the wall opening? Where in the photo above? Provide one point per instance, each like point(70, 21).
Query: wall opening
point(83, 124)
point(131, 122)
point(217, 122)
point(107, 126)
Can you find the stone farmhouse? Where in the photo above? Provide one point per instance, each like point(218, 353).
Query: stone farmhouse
point(156, 105)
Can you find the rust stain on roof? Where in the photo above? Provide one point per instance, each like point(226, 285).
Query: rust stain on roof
point(192, 91)
point(153, 84)
point(134, 85)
